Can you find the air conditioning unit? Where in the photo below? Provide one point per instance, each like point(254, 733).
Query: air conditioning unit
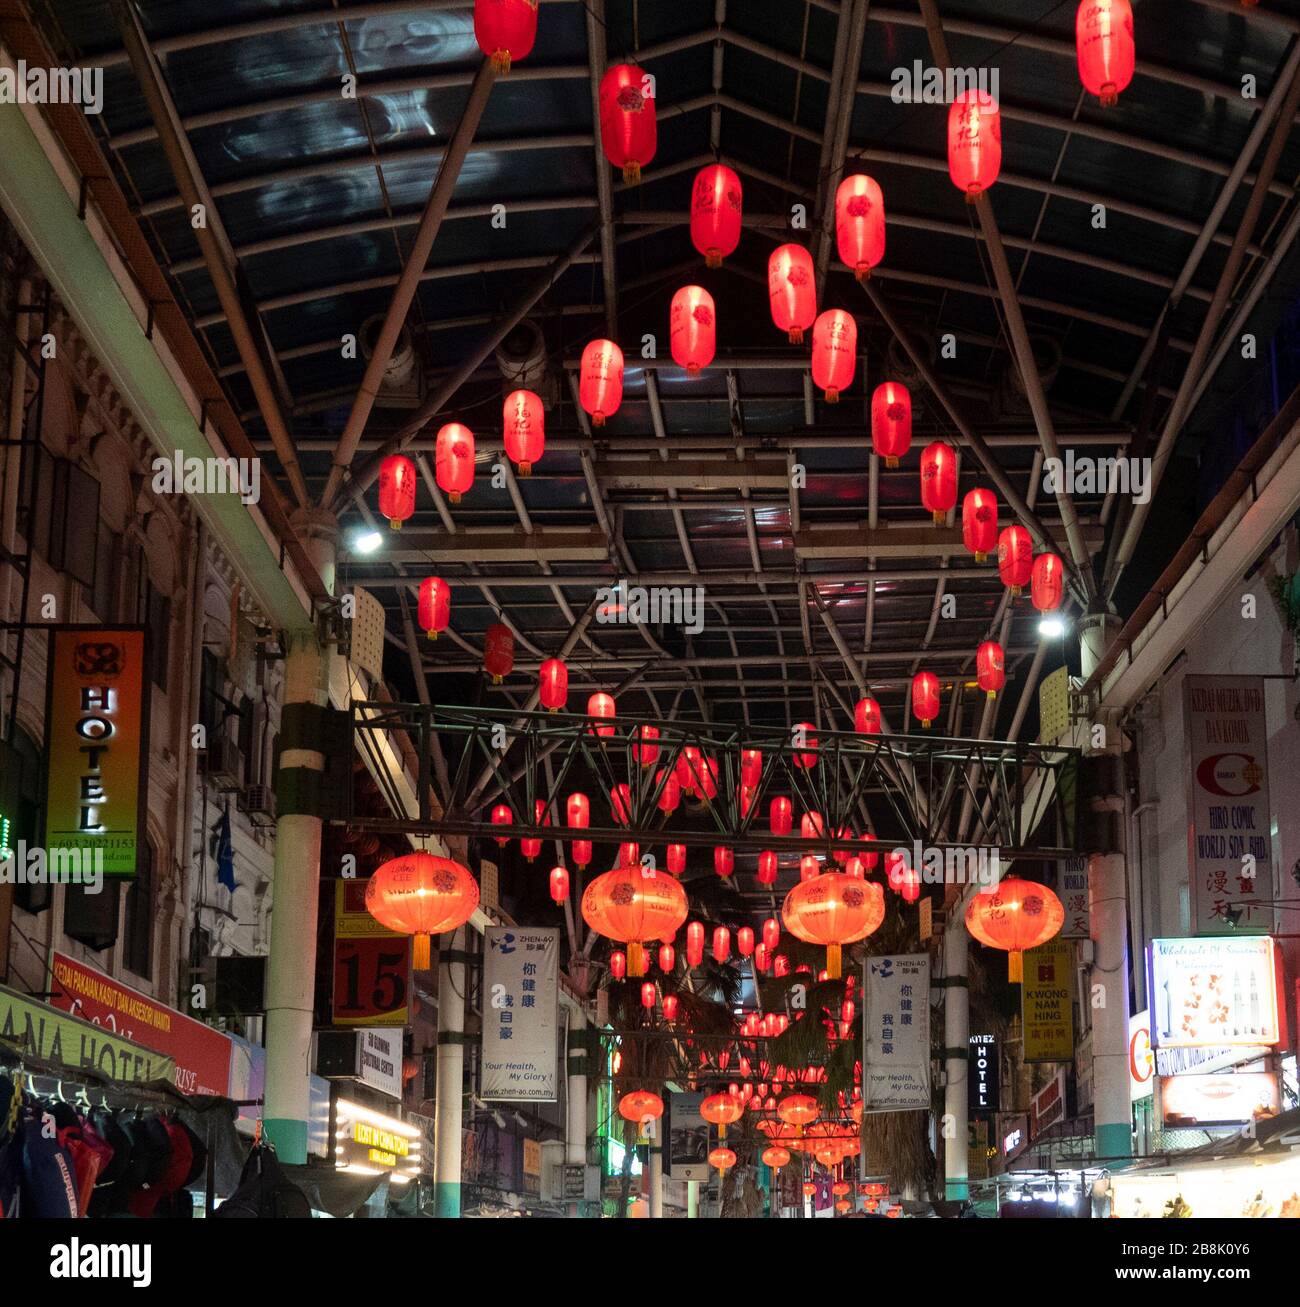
point(258, 801)
point(223, 764)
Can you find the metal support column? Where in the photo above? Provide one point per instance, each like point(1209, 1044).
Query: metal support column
point(575, 1134)
point(956, 1041)
point(450, 1102)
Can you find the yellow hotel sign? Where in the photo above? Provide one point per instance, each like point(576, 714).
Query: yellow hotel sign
point(96, 738)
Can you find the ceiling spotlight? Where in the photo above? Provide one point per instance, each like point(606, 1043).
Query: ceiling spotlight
point(366, 542)
point(1051, 627)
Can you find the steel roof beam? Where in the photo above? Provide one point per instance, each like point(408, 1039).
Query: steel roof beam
point(904, 541)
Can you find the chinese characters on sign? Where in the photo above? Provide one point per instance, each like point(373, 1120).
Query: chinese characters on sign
point(1073, 893)
point(896, 1020)
point(1229, 813)
point(1047, 1002)
point(521, 999)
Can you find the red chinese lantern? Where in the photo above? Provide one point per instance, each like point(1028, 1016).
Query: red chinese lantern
point(667, 958)
point(646, 750)
point(798, 1110)
point(627, 119)
point(530, 848)
point(717, 201)
point(811, 826)
point(792, 290)
point(775, 1157)
point(860, 224)
point(687, 768)
point(454, 460)
point(670, 1007)
point(834, 352)
point(434, 606)
point(632, 905)
point(422, 895)
point(891, 421)
point(771, 934)
point(833, 909)
point(722, 1158)
point(767, 867)
point(620, 803)
point(693, 328)
point(939, 480)
point(1046, 581)
point(721, 943)
point(694, 944)
point(910, 889)
point(578, 815)
point(501, 816)
point(600, 706)
point(762, 960)
point(722, 1110)
point(809, 1188)
point(498, 652)
point(505, 30)
point(724, 861)
point(866, 716)
point(780, 965)
point(990, 668)
point(1015, 557)
point(751, 767)
point(1103, 35)
point(553, 679)
point(559, 884)
point(809, 867)
point(1015, 915)
point(676, 859)
point(618, 964)
point(804, 738)
point(925, 698)
point(671, 794)
point(600, 381)
point(523, 424)
point(780, 815)
point(840, 1188)
point(974, 142)
point(979, 522)
point(869, 860)
point(648, 995)
point(640, 1105)
point(895, 871)
point(396, 489)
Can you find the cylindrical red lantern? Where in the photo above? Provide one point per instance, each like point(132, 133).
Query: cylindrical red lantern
point(600, 706)
point(627, 119)
point(811, 826)
point(454, 460)
point(523, 424)
point(670, 1007)
point(717, 202)
point(767, 867)
point(925, 697)
point(505, 30)
point(618, 964)
point(434, 606)
point(866, 716)
point(646, 750)
point(792, 290)
point(979, 522)
point(891, 421)
point(804, 737)
point(693, 328)
point(667, 958)
point(671, 794)
point(860, 224)
point(676, 859)
point(809, 867)
point(620, 803)
point(648, 995)
point(724, 861)
point(721, 943)
point(559, 884)
point(974, 142)
point(553, 680)
point(694, 944)
point(531, 847)
point(1103, 35)
point(629, 855)
point(990, 668)
point(762, 959)
point(422, 895)
point(745, 941)
point(396, 489)
point(910, 889)
point(834, 352)
point(1015, 557)
point(772, 934)
point(577, 809)
point(600, 381)
point(751, 766)
point(502, 816)
point(1046, 583)
point(939, 480)
point(498, 652)
point(780, 815)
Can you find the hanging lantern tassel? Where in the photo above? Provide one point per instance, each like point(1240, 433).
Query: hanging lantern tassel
point(632, 173)
point(501, 63)
point(422, 960)
point(635, 958)
point(834, 955)
point(1015, 967)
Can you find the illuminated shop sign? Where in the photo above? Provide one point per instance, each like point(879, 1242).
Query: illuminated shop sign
point(1214, 993)
point(1219, 1099)
point(369, 1143)
point(96, 732)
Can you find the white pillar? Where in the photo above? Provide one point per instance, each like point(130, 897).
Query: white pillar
point(657, 1177)
point(575, 1135)
point(692, 1198)
point(449, 1105)
point(956, 1040)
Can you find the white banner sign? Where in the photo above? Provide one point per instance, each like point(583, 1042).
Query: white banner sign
point(1229, 814)
point(381, 1059)
point(896, 1034)
point(521, 1010)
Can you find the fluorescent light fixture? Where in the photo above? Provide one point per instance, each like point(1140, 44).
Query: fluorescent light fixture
point(1051, 627)
point(367, 542)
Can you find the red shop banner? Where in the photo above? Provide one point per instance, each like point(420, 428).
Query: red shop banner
point(202, 1055)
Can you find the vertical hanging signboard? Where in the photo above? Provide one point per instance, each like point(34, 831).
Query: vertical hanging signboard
point(521, 1014)
point(1047, 1002)
point(896, 1021)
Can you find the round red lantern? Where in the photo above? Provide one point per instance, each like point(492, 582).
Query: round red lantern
point(724, 861)
point(498, 652)
point(990, 668)
point(1103, 35)
point(833, 909)
point(434, 606)
point(891, 421)
point(717, 201)
point(979, 522)
point(454, 460)
point(502, 816)
point(722, 1158)
point(1015, 915)
point(925, 698)
point(722, 1110)
point(1046, 583)
point(600, 707)
point(792, 290)
point(396, 489)
point(809, 1188)
point(866, 716)
point(627, 119)
point(775, 1157)
point(834, 352)
point(632, 905)
point(974, 142)
point(505, 30)
point(422, 895)
point(860, 224)
point(780, 815)
point(694, 944)
point(600, 380)
point(523, 424)
point(553, 680)
point(676, 859)
point(640, 1105)
point(693, 328)
point(721, 943)
point(939, 480)
point(646, 750)
point(767, 867)
point(1015, 557)
point(559, 884)
point(798, 1110)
